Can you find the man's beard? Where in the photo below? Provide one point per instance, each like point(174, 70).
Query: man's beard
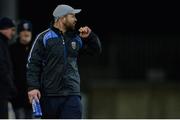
point(69, 26)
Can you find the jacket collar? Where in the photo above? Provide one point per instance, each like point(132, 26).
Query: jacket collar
point(57, 31)
point(4, 38)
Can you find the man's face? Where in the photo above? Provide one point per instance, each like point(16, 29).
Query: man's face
point(70, 21)
point(10, 32)
point(25, 37)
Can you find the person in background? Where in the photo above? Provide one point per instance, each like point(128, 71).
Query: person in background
point(7, 88)
point(19, 52)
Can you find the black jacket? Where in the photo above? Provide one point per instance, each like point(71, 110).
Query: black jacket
point(19, 55)
point(7, 88)
point(52, 64)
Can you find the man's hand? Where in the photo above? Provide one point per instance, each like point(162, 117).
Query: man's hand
point(84, 32)
point(34, 94)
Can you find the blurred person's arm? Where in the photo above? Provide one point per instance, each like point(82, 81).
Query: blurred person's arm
point(6, 78)
point(3, 68)
point(90, 42)
point(34, 69)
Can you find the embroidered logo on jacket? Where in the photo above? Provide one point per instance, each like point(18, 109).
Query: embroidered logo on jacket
point(73, 45)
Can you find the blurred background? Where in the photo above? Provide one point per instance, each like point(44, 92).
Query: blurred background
point(137, 75)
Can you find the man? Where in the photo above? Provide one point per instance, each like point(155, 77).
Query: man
point(52, 70)
point(7, 31)
point(19, 52)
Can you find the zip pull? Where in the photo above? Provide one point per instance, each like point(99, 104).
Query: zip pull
point(63, 41)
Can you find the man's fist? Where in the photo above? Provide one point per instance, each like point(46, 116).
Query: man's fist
point(84, 32)
point(34, 94)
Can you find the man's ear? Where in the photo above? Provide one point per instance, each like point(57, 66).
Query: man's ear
point(64, 19)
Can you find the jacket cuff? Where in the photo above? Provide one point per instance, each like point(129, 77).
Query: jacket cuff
point(91, 36)
point(32, 88)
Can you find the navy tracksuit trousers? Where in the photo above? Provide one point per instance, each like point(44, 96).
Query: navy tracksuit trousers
point(62, 107)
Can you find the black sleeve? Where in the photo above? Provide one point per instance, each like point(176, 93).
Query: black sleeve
point(91, 45)
point(3, 68)
point(34, 65)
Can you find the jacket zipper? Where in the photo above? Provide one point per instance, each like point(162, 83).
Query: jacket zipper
point(65, 50)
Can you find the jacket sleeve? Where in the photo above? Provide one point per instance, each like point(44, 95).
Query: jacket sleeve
point(4, 72)
point(91, 45)
point(34, 65)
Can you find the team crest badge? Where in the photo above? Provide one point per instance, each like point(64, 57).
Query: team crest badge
point(73, 44)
